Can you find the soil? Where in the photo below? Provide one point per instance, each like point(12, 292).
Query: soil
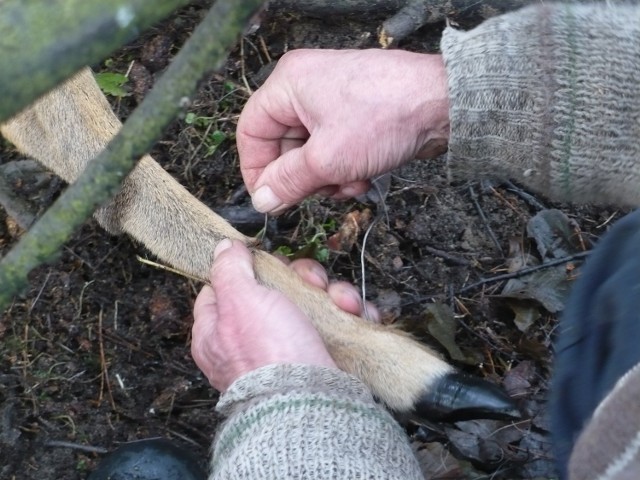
point(96, 351)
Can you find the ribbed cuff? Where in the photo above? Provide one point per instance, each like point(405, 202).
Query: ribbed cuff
point(311, 422)
point(549, 96)
point(274, 379)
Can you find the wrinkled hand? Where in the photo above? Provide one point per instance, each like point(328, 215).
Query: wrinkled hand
point(241, 326)
point(327, 121)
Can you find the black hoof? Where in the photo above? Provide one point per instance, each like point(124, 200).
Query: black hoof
point(458, 396)
point(154, 459)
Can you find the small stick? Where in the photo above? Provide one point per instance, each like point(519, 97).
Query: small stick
point(524, 271)
point(265, 49)
point(448, 256)
point(526, 196)
point(508, 203)
point(169, 269)
point(242, 68)
point(44, 284)
point(75, 446)
point(105, 372)
point(494, 239)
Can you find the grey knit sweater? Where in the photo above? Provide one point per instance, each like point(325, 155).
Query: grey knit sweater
point(549, 96)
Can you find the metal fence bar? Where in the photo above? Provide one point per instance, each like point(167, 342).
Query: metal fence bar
point(42, 42)
point(206, 50)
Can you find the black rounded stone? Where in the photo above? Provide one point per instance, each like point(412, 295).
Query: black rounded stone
point(153, 459)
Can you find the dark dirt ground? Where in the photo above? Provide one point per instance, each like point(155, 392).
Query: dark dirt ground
point(96, 351)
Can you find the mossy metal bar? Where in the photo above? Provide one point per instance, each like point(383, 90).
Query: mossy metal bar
point(45, 41)
point(206, 50)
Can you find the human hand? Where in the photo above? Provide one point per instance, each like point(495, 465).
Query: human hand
point(241, 326)
point(326, 121)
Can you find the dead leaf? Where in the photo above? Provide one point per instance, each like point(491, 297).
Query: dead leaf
point(539, 463)
point(526, 314)
point(518, 258)
point(475, 442)
point(517, 381)
point(379, 189)
point(436, 462)
point(165, 401)
point(534, 348)
point(389, 305)
point(486, 443)
point(554, 234)
point(353, 224)
point(441, 325)
point(550, 287)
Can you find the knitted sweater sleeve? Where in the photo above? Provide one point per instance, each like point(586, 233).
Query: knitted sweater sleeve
point(550, 96)
point(307, 422)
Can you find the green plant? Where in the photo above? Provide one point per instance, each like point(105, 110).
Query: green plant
point(213, 136)
point(314, 246)
point(112, 83)
point(82, 465)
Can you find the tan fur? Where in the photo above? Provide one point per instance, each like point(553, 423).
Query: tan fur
point(72, 124)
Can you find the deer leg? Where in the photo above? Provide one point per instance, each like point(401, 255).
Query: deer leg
point(69, 126)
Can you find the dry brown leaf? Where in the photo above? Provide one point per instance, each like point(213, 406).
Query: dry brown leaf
point(353, 224)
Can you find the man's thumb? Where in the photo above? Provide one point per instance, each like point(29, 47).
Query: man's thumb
point(232, 266)
point(286, 181)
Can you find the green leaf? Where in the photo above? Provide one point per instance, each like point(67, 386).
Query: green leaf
point(111, 83)
point(284, 250)
point(217, 137)
point(321, 254)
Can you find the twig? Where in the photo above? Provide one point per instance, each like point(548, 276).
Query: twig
point(80, 301)
point(448, 256)
point(189, 166)
point(526, 196)
point(242, 68)
point(494, 239)
point(456, 302)
point(168, 269)
point(408, 15)
point(525, 271)
point(510, 205)
point(265, 49)
point(75, 446)
point(104, 378)
point(183, 437)
point(604, 224)
point(44, 284)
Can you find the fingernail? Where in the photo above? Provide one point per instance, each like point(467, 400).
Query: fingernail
point(320, 275)
point(355, 296)
point(348, 191)
point(264, 200)
point(221, 247)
